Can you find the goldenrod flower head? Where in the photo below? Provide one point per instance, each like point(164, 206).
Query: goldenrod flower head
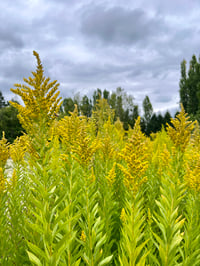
point(164, 159)
point(92, 177)
point(102, 112)
point(2, 181)
point(123, 216)
point(192, 163)
point(68, 128)
point(181, 129)
point(107, 147)
point(136, 155)
point(195, 138)
point(4, 151)
point(111, 175)
point(149, 217)
point(83, 236)
point(13, 180)
point(40, 99)
point(84, 146)
point(18, 149)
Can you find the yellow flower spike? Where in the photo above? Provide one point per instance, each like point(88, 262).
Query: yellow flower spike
point(123, 216)
point(149, 217)
point(136, 155)
point(83, 146)
point(4, 151)
point(181, 129)
point(2, 181)
point(83, 236)
point(40, 100)
point(192, 164)
point(111, 175)
point(18, 149)
point(92, 177)
point(13, 180)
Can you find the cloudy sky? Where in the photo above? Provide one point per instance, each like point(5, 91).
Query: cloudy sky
point(88, 44)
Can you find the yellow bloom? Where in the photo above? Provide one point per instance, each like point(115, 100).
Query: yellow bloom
point(13, 180)
point(40, 99)
point(83, 236)
point(136, 155)
point(181, 129)
point(18, 149)
point(92, 176)
point(2, 181)
point(111, 175)
point(4, 151)
point(192, 175)
point(123, 216)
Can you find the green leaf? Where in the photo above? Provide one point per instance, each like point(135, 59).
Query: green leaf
point(106, 260)
point(36, 250)
point(34, 259)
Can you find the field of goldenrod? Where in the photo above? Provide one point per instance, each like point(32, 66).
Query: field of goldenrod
point(85, 192)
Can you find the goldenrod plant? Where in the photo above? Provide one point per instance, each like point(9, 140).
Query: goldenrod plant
point(79, 190)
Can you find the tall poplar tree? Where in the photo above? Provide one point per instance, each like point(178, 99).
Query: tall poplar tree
point(2, 100)
point(148, 110)
point(190, 87)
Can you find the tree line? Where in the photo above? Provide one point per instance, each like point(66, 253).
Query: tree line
point(121, 103)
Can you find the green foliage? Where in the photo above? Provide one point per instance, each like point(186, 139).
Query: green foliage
point(83, 191)
point(169, 222)
point(2, 101)
point(133, 242)
point(190, 87)
point(9, 123)
point(148, 109)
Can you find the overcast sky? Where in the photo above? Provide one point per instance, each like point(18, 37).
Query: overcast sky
point(137, 45)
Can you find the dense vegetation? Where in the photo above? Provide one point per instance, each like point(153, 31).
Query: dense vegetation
point(85, 191)
point(119, 101)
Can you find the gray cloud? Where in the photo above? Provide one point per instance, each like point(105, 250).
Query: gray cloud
point(87, 44)
point(120, 26)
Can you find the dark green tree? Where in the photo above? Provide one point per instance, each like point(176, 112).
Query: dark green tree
point(134, 115)
point(2, 101)
point(167, 119)
point(96, 96)
point(86, 106)
point(190, 87)
point(68, 105)
point(9, 123)
point(148, 110)
point(106, 94)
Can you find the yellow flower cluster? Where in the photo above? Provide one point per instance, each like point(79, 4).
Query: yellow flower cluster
point(162, 159)
point(111, 139)
point(83, 236)
point(4, 151)
point(136, 155)
point(41, 102)
point(123, 216)
point(111, 175)
point(73, 132)
point(13, 181)
point(84, 148)
point(102, 112)
point(68, 127)
point(192, 175)
point(2, 181)
point(18, 149)
point(92, 177)
point(180, 130)
point(195, 138)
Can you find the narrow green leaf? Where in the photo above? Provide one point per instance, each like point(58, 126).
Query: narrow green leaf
point(106, 260)
point(34, 259)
